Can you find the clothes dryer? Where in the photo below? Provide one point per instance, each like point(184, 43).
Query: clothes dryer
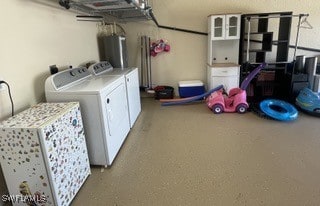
point(104, 68)
point(104, 107)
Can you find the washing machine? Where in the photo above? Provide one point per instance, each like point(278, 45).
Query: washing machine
point(103, 103)
point(104, 68)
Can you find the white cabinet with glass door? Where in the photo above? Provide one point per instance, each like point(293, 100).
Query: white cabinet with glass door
point(217, 27)
point(223, 27)
point(223, 38)
point(223, 50)
point(232, 26)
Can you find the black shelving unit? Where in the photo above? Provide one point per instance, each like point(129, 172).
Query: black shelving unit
point(268, 40)
point(284, 37)
point(264, 38)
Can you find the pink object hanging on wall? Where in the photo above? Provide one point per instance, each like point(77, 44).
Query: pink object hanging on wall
point(158, 47)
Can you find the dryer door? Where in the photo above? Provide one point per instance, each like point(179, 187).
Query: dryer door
point(133, 91)
point(117, 119)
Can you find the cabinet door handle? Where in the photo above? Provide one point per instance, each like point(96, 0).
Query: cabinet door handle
point(108, 101)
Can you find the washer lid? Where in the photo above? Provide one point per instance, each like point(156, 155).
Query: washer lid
point(119, 71)
point(92, 85)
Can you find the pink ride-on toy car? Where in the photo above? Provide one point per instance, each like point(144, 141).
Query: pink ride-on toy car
point(236, 101)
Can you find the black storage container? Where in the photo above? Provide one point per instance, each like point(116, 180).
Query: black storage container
point(164, 92)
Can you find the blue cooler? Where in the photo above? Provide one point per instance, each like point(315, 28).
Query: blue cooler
point(191, 88)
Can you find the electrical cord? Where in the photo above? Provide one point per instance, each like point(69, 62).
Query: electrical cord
point(10, 96)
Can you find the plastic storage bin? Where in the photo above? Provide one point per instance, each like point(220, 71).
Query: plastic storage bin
point(164, 92)
point(191, 88)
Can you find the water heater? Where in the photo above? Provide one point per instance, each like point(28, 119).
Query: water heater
point(115, 51)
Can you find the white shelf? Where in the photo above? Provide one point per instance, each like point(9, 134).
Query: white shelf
point(113, 10)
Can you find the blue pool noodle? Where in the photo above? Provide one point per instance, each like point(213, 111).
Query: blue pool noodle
point(195, 98)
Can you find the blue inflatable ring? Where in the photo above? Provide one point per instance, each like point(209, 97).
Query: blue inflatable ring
point(279, 109)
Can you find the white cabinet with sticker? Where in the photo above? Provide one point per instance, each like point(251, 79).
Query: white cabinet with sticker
point(43, 154)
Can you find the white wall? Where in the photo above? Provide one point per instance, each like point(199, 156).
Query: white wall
point(33, 35)
point(187, 59)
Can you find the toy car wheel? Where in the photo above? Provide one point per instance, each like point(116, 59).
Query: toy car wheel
point(241, 108)
point(217, 109)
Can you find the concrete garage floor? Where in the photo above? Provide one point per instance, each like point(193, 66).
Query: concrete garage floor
point(186, 155)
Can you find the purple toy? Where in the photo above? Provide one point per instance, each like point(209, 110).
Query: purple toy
point(252, 74)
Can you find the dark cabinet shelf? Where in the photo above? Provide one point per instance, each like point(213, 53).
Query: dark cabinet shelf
point(263, 39)
point(258, 33)
point(280, 41)
point(259, 50)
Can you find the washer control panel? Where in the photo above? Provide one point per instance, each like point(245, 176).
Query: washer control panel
point(68, 77)
point(101, 67)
